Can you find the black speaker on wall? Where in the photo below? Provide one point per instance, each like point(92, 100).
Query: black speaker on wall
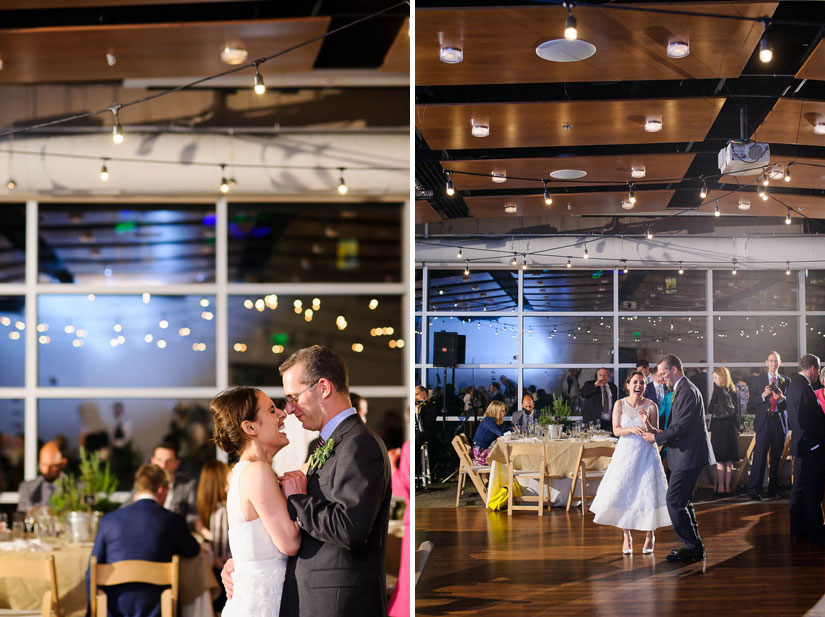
point(448, 349)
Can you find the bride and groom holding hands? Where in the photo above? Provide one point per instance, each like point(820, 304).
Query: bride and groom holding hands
point(313, 544)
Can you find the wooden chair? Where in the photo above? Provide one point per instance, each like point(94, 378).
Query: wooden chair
point(134, 571)
point(535, 451)
point(467, 469)
point(421, 557)
point(786, 457)
point(581, 472)
point(740, 466)
point(33, 569)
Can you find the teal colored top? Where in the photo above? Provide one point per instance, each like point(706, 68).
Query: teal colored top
point(664, 415)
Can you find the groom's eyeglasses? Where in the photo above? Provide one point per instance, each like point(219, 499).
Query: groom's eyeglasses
point(290, 400)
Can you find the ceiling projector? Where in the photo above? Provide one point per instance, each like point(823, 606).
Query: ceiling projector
point(742, 157)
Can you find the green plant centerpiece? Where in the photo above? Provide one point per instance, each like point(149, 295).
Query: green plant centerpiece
point(89, 491)
point(557, 413)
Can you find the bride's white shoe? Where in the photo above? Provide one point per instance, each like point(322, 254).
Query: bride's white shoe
point(627, 545)
point(650, 541)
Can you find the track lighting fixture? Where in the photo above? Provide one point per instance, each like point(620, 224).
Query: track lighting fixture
point(342, 186)
point(258, 82)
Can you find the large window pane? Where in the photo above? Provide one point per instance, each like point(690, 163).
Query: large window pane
point(11, 444)
point(13, 244)
point(568, 340)
point(126, 431)
point(364, 330)
point(814, 335)
point(662, 290)
point(650, 338)
point(418, 331)
point(458, 382)
point(315, 242)
point(12, 341)
point(568, 290)
point(95, 244)
point(558, 381)
point(387, 417)
point(482, 290)
point(750, 339)
point(814, 290)
point(749, 290)
point(128, 341)
point(419, 283)
point(488, 340)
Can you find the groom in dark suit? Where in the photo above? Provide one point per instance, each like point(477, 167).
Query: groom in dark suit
point(688, 452)
point(341, 504)
point(807, 424)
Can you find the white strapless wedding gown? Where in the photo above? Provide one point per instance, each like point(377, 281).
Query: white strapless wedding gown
point(260, 567)
point(632, 494)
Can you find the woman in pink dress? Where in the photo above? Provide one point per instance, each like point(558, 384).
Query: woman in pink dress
point(400, 601)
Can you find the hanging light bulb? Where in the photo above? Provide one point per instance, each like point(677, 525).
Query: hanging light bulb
point(765, 52)
point(734, 267)
point(467, 268)
point(681, 269)
point(787, 267)
point(11, 184)
point(117, 130)
point(766, 180)
point(716, 212)
point(514, 261)
point(258, 82)
point(586, 255)
point(649, 233)
point(524, 262)
point(104, 173)
point(570, 31)
point(704, 192)
point(547, 199)
point(569, 263)
point(787, 175)
point(624, 266)
point(342, 186)
point(450, 188)
point(762, 192)
point(788, 218)
point(631, 196)
point(224, 181)
point(460, 254)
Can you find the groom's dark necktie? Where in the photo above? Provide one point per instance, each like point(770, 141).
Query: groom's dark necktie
point(320, 443)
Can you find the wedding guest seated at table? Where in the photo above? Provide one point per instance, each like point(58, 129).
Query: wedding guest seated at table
point(489, 429)
point(38, 492)
point(183, 490)
point(212, 522)
point(526, 416)
point(142, 530)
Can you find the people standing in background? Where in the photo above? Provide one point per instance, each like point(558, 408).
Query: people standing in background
point(495, 392)
point(570, 389)
point(771, 426)
point(807, 424)
point(212, 522)
point(400, 600)
point(599, 395)
point(724, 427)
point(643, 366)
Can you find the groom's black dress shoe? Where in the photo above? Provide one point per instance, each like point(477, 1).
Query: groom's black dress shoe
point(755, 496)
point(686, 555)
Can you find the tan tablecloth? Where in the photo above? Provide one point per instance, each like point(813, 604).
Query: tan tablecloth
point(562, 455)
point(71, 563)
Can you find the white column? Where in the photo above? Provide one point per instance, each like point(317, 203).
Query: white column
point(221, 295)
point(30, 408)
point(709, 351)
point(802, 331)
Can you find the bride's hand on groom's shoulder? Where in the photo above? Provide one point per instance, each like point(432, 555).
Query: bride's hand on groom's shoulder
point(226, 577)
point(294, 483)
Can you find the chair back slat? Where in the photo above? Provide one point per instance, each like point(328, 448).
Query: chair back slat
point(43, 570)
point(135, 571)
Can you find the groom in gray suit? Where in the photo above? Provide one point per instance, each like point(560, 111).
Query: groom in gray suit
point(688, 452)
point(342, 503)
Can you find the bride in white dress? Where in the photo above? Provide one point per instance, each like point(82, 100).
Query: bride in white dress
point(632, 494)
point(261, 533)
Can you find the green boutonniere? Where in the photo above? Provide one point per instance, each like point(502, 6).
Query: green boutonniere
point(320, 456)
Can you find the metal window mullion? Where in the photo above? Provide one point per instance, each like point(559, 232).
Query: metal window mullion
point(615, 317)
point(407, 300)
point(801, 300)
point(30, 404)
point(425, 324)
point(520, 333)
point(329, 289)
point(709, 351)
point(221, 294)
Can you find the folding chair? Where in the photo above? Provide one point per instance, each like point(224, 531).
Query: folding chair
point(32, 569)
point(581, 473)
point(421, 557)
point(134, 571)
point(535, 451)
point(740, 466)
point(468, 469)
point(786, 457)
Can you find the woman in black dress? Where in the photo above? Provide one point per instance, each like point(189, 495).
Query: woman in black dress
point(724, 427)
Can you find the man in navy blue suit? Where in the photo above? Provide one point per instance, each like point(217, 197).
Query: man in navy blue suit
point(771, 426)
point(142, 530)
point(650, 388)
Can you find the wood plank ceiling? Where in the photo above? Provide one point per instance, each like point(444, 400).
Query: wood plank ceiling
point(590, 115)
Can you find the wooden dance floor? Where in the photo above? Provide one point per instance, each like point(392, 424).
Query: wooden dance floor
point(486, 563)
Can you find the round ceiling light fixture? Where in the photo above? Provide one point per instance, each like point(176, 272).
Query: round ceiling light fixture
point(562, 50)
point(451, 55)
point(653, 126)
point(637, 172)
point(498, 177)
point(234, 54)
point(568, 174)
point(510, 208)
point(480, 130)
point(744, 205)
point(678, 49)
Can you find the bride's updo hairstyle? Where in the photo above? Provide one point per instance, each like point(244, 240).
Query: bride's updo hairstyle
point(230, 409)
